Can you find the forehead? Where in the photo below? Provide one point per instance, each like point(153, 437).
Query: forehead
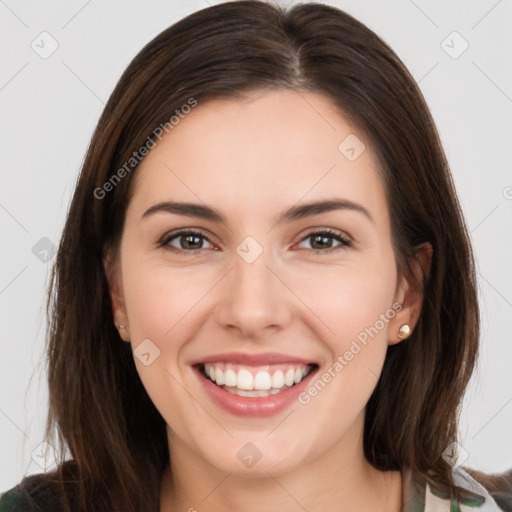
point(269, 148)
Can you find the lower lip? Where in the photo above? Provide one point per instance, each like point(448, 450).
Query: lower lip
point(254, 406)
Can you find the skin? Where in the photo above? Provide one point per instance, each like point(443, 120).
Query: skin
point(251, 159)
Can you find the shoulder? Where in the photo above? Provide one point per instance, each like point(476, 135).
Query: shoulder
point(497, 485)
point(477, 490)
point(472, 490)
point(22, 497)
point(42, 492)
point(13, 501)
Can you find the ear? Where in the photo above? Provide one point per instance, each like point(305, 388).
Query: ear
point(113, 275)
point(410, 294)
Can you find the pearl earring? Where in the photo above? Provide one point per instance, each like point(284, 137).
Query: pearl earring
point(404, 331)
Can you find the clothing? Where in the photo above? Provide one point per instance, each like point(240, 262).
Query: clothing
point(476, 498)
point(415, 499)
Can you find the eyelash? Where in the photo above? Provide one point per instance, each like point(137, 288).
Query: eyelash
point(345, 242)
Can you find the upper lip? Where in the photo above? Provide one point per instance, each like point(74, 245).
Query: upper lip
point(253, 359)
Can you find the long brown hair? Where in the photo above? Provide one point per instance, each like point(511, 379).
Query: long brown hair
point(99, 408)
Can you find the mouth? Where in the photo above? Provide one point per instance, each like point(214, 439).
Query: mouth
point(255, 381)
point(254, 386)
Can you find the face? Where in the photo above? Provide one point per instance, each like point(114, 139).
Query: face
point(260, 322)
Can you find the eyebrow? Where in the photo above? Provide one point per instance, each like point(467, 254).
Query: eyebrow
point(292, 214)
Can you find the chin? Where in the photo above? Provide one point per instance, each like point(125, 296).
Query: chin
point(256, 456)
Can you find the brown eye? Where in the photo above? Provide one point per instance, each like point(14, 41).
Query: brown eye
point(326, 241)
point(185, 241)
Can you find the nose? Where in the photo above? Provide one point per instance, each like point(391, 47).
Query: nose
point(255, 300)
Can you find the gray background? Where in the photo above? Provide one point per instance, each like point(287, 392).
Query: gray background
point(50, 107)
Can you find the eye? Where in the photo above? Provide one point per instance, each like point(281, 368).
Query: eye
point(190, 241)
point(324, 241)
point(185, 241)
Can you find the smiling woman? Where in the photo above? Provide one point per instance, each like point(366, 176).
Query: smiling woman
point(277, 307)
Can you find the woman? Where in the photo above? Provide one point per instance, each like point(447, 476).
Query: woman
point(264, 295)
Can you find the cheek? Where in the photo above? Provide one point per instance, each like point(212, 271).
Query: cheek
point(349, 300)
point(356, 303)
point(160, 300)
point(162, 306)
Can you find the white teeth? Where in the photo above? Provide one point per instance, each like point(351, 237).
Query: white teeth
point(255, 393)
point(244, 380)
point(263, 383)
point(278, 379)
point(219, 376)
point(229, 378)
